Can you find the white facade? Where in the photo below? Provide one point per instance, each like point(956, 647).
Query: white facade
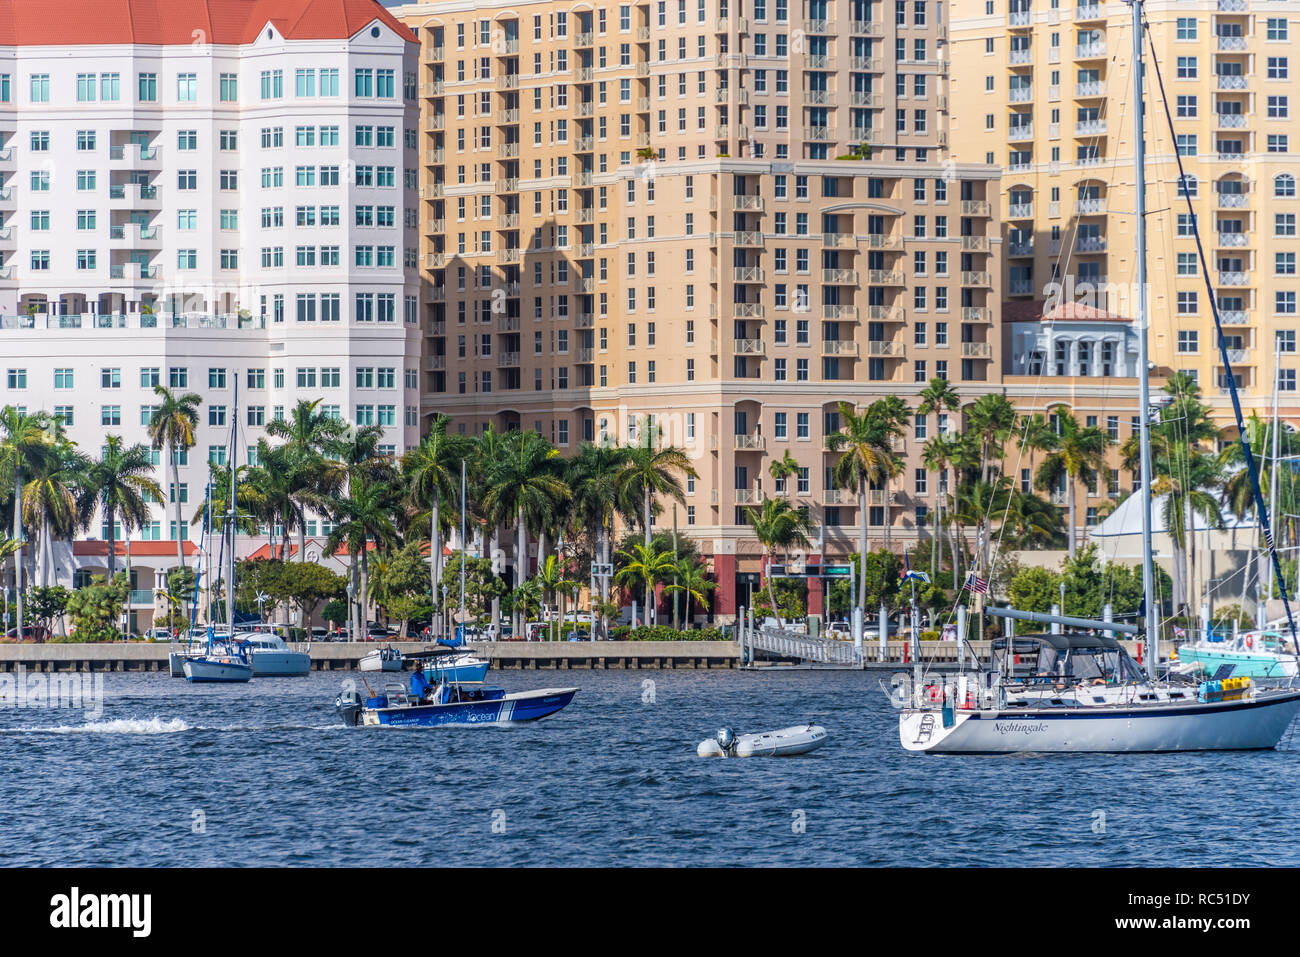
point(253, 223)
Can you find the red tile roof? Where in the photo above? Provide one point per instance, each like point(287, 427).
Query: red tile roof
point(138, 549)
point(175, 22)
point(1021, 311)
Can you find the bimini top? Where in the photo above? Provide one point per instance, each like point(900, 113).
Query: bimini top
point(1074, 656)
point(1065, 642)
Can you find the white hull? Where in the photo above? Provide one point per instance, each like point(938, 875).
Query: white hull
point(280, 664)
point(375, 661)
point(771, 744)
point(1255, 723)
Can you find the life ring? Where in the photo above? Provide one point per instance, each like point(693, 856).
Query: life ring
point(1250, 641)
point(934, 692)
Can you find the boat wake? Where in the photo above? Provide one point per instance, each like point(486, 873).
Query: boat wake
point(155, 726)
point(119, 726)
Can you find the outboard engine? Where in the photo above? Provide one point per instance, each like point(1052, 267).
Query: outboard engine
point(348, 706)
point(726, 739)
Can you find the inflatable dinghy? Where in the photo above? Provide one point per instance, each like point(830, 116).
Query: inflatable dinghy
point(770, 744)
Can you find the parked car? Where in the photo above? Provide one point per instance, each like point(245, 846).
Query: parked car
point(319, 633)
point(30, 633)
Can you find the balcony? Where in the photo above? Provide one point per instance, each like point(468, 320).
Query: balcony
point(1023, 131)
point(839, 347)
point(1087, 11)
point(1231, 239)
point(1090, 51)
point(508, 151)
point(867, 28)
point(1234, 278)
point(976, 350)
point(750, 443)
point(865, 64)
point(747, 310)
point(435, 157)
point(1020, 18)
point(1089, 89)
point(839, 240)
point(582, 39)
point(976, 279)
point(1020, 287)
point(816, 97)
point(1090, 128)
point(584, 355)
point(749, 204)
point(1239, 356)
point(886, 349)
point(1020, 249)
point(886, 313)
point(508, 185)
point(749, 239)
point(1234, 200)
point(1020, 94)
point(837, 496)
point(816, 27)
point(976, 314)
point(435, 363)
point(508, 221)
point(1234, 317)
point(1231, 81)
point(731, 25)
point(584, 320)
point(749, 496)
point(1229, 44)
point(1090, 244)
point(508, 360)
point(1231, 121)
point(508, 81)
point(749, 347)
point(508, 257)
point(818, 61)
point(843, 277)
point(507, 117)
point(435, 88)
point(883, 241)
point(975, 244)
point(976, 207)
point(747, 274)
point(435, 260)
point(838, 313)
point(869, 100)
point(507, 323)
point(875, 277)
point(1022, 57)
point(1095, 206)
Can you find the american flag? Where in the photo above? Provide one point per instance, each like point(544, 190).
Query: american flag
point(977, 584)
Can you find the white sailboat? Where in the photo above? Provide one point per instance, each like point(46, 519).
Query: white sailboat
point(1082, 692)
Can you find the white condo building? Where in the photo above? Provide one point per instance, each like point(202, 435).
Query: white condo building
point(204, 193)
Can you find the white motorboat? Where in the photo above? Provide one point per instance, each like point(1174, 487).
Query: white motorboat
point(1254, 654)
point(784, 743)
point(1087, 694)
point(272, 657)
point(382, 659)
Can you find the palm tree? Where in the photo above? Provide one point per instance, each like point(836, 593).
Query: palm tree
point(991, 418)
point(646, 565)
point(1078, 454)
point(523, 486)
point(172, 427)
point(1036, 435)
point(861, 462)
point(937, 455)
point(650, 471)
point(784, 468)
point(554, 583)
point(777, 524)
point(690, 578)
point(308, 434)
point(432, 473)
point(938, 396)
point(24, 438)
point(593, 479)
point(119, 483)
point(50, 496)
point(363, 516)
point(272, 494)
point(890, 416)
point(1033, 521)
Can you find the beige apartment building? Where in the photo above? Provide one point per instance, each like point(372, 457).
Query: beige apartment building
point(725, 217)
point(1043, 88)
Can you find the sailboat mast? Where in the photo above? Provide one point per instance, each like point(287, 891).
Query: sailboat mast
point(1272, 480)
point(230, 517)
point(1144, 372)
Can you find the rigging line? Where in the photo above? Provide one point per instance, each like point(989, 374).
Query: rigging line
point(1242, 437)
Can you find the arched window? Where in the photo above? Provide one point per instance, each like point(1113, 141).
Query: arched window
point(1284, 186)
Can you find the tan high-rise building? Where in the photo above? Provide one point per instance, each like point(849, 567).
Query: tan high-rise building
point(724, 217)
point(1044, 89)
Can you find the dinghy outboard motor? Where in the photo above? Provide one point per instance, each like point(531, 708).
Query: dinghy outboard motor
point(726, 739)
point(348, 706)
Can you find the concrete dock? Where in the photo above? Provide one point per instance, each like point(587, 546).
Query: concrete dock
point(520, 655)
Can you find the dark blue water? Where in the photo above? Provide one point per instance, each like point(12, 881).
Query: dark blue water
point(611, 780)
